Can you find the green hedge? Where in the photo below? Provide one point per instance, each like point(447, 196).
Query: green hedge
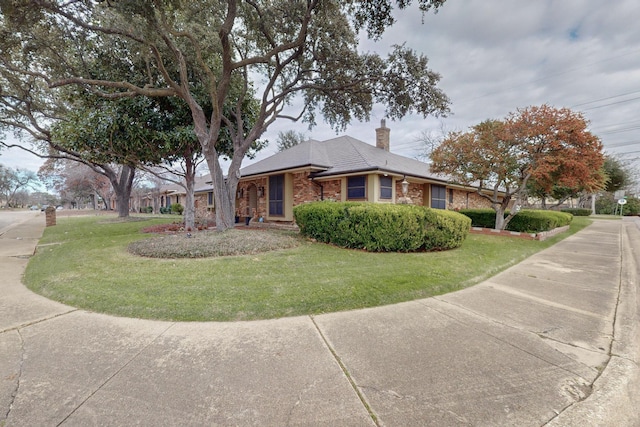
point(381, 227)
point(526, 221)
point(577, 211)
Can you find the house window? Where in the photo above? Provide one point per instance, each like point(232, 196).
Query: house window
point(438, 196)
point(386, 187)
point(356, 187)
point(210, 198)
point(451, 195)
point(276, 195)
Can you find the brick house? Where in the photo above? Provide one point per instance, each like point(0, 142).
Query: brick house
point(344, 169)
point(203, 196)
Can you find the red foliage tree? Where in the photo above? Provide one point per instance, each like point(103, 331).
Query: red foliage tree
point(541, 146)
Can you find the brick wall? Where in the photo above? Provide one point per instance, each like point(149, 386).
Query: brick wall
point(467, 200)
point(415, 192)
point(332, 189)
point(304, 190)
point(202, 211)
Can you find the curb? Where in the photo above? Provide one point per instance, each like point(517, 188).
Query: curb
point(528, 236)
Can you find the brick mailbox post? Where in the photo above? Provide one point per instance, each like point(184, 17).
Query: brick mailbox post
point(50, 216)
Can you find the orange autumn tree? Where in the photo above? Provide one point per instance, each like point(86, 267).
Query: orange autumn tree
point(535, 146)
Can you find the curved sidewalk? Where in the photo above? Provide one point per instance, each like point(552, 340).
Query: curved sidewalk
point(552, 341)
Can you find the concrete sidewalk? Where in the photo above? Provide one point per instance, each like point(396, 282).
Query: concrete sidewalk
point(552, 341)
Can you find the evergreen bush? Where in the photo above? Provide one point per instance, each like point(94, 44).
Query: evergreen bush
point(526, 221)
point(577, 211)
point(382, 227)
point(177, 208)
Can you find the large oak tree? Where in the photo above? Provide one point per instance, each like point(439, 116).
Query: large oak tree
point(539, 145)
point(304, 50)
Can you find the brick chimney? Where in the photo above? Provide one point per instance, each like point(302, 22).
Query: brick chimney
point(382, 136)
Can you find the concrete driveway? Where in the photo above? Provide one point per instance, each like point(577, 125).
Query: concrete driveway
point(552, 341)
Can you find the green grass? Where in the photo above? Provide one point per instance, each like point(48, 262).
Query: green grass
point(84, 262)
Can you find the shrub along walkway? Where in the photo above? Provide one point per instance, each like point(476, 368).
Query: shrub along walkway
point(551, 341)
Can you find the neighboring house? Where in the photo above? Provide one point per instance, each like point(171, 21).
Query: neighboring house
point(343, 169)
point(203, 192)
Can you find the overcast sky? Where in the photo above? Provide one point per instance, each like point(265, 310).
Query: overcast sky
point(496, 56)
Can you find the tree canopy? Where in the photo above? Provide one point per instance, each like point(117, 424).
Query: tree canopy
point(306, 50)
point(289, 138)
point(541, 146)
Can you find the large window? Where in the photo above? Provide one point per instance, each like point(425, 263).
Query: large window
point(276, 195)
point(356, 187)
point(438, 196)
point(386, 187)
point(210, 198)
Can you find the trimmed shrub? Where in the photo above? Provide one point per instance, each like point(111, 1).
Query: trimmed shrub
point(485, 218)
point(177, 209)
point(381, 227)
point(535, 221)
point(577, 211)
point(526, 221)
point(445, 229)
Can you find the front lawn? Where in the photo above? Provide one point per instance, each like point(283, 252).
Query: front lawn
point(84, 262)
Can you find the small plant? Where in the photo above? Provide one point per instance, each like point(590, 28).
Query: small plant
point(177, 209)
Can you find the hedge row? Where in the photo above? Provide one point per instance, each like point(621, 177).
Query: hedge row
point(577, 211)
point(382, 227)
point(526, 221)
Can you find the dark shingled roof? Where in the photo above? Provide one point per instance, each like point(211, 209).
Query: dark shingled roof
point(339, 156)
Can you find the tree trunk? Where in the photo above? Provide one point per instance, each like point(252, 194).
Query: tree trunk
point(223, 191)
point(122, 185)
point(500, 223)
point(190, 206)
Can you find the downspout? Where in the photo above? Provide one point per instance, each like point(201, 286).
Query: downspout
point(319, 185)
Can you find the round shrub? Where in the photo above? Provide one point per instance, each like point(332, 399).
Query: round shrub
point(382, 227)
point(177, 209)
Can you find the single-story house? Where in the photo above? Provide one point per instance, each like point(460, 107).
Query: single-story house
point(344, 169)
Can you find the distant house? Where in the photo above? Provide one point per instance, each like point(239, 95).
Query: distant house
point(343, 169)
point(203, 194)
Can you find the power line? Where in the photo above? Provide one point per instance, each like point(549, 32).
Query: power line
point(604, 99)
point(612, 103)
point(621, 144)
point(609, 132)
